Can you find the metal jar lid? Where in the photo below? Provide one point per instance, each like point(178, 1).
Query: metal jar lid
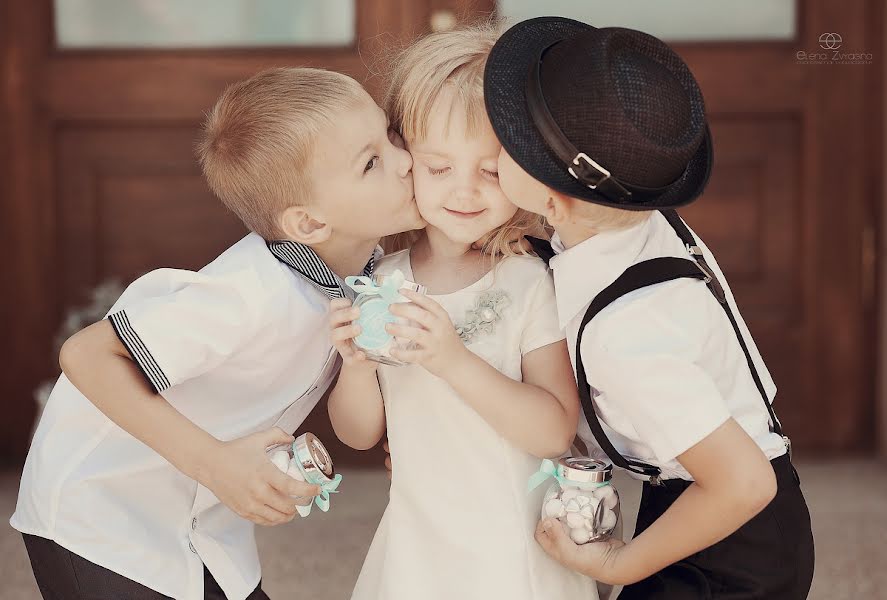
point(313, 458)
point(584, 470)
point(379, 279)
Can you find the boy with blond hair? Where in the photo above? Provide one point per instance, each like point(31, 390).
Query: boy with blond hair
point(604, 133)
point(148, 469)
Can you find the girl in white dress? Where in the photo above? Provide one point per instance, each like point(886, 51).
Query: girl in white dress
point(489, 389)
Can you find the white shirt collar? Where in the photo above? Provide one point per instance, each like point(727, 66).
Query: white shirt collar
point(305, 261)
point(583, 271)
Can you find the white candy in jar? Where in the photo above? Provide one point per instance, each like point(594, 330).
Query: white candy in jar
point(281, 460)
point(608, 521)
point(607, 495)
point(583, 500)
point(554, 508)
point(580, 535)
point(575, 520)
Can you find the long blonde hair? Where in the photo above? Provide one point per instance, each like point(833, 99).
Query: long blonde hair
point(418, 75)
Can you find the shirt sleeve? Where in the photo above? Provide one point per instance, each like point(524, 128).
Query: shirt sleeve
point(190, 324)
point(541, 326)
point(644, 364)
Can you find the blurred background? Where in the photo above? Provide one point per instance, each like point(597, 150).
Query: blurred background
point(101, 101)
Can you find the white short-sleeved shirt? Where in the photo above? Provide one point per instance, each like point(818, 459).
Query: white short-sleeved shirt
point(460, 523)
point(238, 347)
point(663, 362)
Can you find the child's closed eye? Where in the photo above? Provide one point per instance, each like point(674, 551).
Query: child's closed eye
point(439, 171)
point(491, 174)
point(371, 164)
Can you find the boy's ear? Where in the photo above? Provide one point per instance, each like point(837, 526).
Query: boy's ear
point(299, 225)
point(558, 208)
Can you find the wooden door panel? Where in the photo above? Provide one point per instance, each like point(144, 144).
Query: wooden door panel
point(132, 199)
point(98, 180)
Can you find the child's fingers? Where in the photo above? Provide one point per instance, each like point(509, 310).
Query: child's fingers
point(279, 502)
point(272, 437)
point(425, 302)
point(413, 313)
point(414, 334)
point(550, 535)
point(269, 516)
point(339, 303)
point(345, 333)
point(343, 316)
point(412, 356)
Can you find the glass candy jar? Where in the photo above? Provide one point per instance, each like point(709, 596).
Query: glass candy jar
point(583, 499)
point(307, 459)
point(374, 298)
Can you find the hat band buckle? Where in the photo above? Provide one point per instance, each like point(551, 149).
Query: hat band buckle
point(589, 162)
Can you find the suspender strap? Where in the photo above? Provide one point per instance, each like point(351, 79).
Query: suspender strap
point(641, 275)
point(714, 285)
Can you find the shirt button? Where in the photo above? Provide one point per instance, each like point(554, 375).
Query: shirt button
point(191, 546)
point(194, 523)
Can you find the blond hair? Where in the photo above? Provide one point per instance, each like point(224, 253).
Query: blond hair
point(256, 142)
point(443, 61)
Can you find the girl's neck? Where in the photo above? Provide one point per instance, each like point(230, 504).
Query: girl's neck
point(445, 266)
point(435, 247)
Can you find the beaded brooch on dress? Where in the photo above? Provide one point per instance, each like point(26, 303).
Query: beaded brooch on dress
point(483, 317)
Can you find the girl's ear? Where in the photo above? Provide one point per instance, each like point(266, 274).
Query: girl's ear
point(299, 225)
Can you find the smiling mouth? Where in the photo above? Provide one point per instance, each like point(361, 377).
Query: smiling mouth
point(464, 215)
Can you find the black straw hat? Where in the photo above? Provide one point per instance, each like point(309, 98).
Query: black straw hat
point(609, 115)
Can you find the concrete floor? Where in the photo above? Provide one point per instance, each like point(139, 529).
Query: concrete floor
point(320, 557)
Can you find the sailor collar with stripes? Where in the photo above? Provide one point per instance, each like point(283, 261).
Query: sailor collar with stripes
point(309, 265)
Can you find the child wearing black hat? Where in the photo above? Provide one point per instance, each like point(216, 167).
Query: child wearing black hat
point(604, 133)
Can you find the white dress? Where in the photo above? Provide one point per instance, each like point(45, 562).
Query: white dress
point(459, 522)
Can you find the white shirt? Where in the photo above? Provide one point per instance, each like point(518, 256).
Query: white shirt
point(663, 362)
point(238, 347)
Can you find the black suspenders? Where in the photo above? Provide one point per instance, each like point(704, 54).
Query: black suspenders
point(641, 275)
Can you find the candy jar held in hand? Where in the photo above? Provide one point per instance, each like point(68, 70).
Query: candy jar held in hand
point(581, 497)
point(375, 296)
point(308, 460)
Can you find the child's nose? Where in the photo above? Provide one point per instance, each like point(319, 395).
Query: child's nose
point(468, 185)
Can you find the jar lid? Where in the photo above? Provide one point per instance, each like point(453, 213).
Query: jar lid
point(313, 457)
point(379, 279)
point(584, 470)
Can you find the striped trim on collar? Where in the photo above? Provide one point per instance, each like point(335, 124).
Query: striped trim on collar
point(309, 265)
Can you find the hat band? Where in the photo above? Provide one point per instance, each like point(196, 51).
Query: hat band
point(581, 166)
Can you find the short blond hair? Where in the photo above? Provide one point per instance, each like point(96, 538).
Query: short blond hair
point(605, 218)
point(443, 61)
point(257, 140)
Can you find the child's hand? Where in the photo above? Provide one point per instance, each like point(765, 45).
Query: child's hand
point(437, 345)
point(245, 480)
point(342, 331)
point(598, 560)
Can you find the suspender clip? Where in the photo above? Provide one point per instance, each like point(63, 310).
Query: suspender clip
point(788, 445)
point(656, 480)
point(710, 280)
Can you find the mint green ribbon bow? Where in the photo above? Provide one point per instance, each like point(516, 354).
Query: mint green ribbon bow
point(389, 291)
point(322, 500)
point(549, 470)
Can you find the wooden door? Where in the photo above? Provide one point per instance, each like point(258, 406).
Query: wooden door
point(96, 150)
point(99, 175)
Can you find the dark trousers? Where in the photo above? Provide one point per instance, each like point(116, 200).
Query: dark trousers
point(770, 557)
point(63, 575)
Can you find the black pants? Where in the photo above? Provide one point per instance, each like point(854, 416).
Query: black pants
point(770, 557)
point(63, 575)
